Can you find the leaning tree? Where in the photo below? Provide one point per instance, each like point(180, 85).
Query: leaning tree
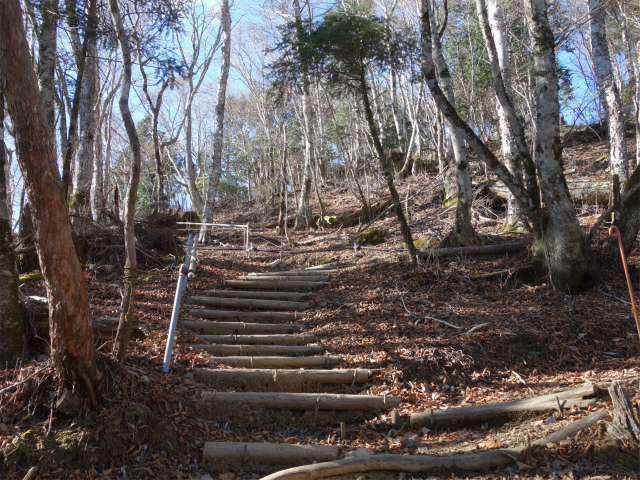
point(71, 340)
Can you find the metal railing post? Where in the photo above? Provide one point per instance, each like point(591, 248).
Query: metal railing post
point(182, 286)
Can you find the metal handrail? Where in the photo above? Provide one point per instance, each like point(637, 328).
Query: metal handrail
point(181, 287)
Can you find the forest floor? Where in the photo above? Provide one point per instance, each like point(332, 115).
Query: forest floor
point(438, 335)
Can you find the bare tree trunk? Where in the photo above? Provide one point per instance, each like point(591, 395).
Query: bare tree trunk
point(609, 94)
point(12, 331)
point(221, 96)
point(83, 169)
point(130, 275)
point(47, 55)
point(302, 213)
point(463, 234)
point(516, 220)
point(387, 169)
point(69, 326)
point(562, 249)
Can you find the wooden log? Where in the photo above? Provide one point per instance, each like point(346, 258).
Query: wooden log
point(291, 286)
point(502, 412)
point(488, 460)
point(251, 317)
point(302, 401)
point(248, 303)
point(225, 456)
point(581, 191)
point(497, 249)
point(106, 327)
point(301, 339)
point(276, 380)
point(286, 278)
point(257, 294)
point(254, 350)
point(277, 362)
point(295, 273)
point(401, 463)
point(236, 328)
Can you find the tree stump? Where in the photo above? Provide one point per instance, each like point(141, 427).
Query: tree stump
point(621, 440)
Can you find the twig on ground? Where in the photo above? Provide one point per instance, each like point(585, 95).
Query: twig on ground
point(442, 321)
point(477, 327)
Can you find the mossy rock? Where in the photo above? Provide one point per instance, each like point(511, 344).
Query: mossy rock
point(372, 237)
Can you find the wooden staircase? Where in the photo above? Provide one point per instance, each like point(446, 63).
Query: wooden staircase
point(277, 377)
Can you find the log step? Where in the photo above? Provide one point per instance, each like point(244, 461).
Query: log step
point(293, 296)
point(255, 350)
point(263, 284)
point(251, 317)
point(301, 339)
point(249, 304)
point(236, 328)
point(294, 273)
point(274, 409)
point(287, 278)
point(222, 457)
point(277, 362)
point(276, 380)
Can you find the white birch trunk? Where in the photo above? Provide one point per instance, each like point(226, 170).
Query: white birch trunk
point(516, 219)
point(563, 249)
point(609, 93)
point(302, 212)
point(221, 95)
point(463, 233)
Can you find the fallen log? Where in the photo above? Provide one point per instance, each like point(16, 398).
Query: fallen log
point(287, 278)
point(276, 380)
point(301, 339)
point(223, 456)
point(255, 350)
point(256, 317)
point(324, 238)
point(107, 328)
point(504, 411)
point(248, 303)
point(286, 286)
point(277, 362)
point(303, 401)
point(581, 192)
point(235, 328)
point(466, 462)
point(497, 249)
point(359, 216)
point(258, 295)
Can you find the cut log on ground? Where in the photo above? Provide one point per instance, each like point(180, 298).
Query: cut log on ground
point(237, 328)
point(503, 412)
point(497, 249)
point(359, 216)
point(250, 317)
point(249, 304)
point(287, 278)
point(277, 362)
point(582, 192)
point(257, 294)
point(424, 464)
point(301, 339)
point(254, 350)
point(225, 456)
point(401, 463)
point(325, 238)
point(284, 286)
point(276, 380)
point(303, 401)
